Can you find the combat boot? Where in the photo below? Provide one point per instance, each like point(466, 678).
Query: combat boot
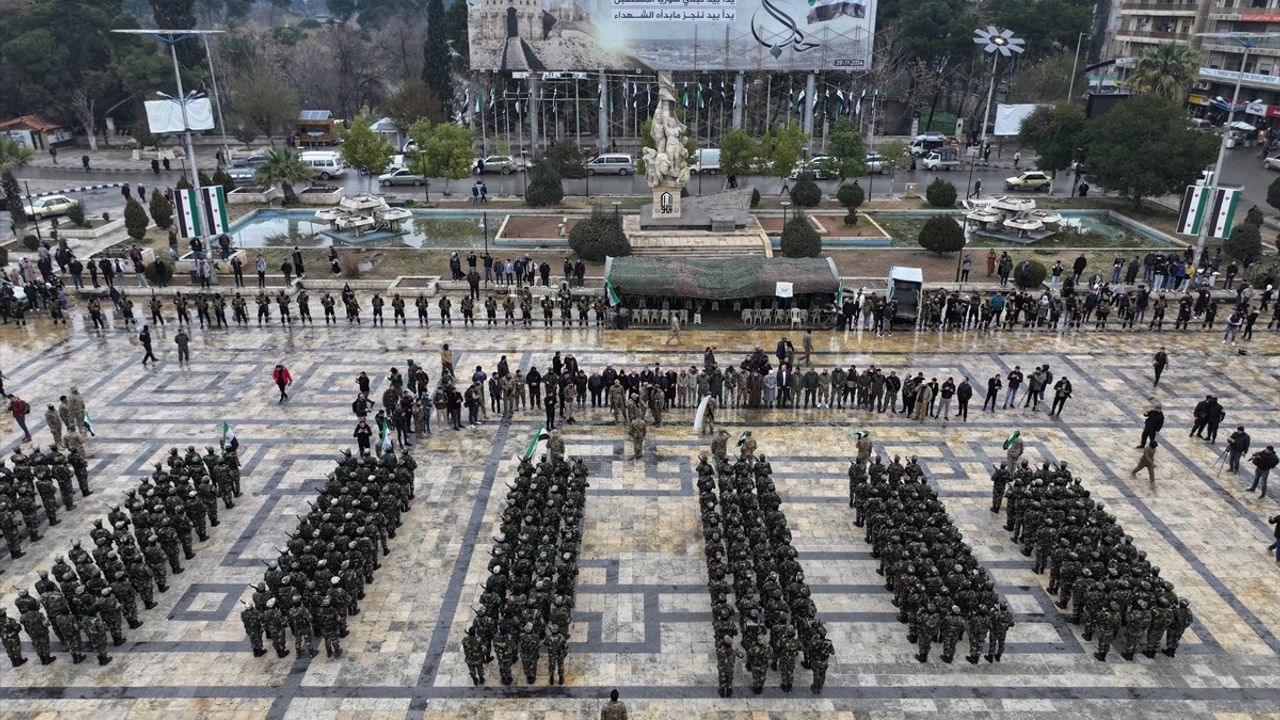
point(1151, 654)
point(1127, 655)
point(973, 659)
point(1101, 656)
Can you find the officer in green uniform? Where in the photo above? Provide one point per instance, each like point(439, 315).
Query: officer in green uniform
point(1182, 619)
point(251, 618)
point(637, 433)
point(473, 654)
point(505, 646)
point(758, 658)
point(10, 637)
point(1001, 621)
point(1106, 623)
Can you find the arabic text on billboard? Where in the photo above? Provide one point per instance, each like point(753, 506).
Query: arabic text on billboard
point(768, 35)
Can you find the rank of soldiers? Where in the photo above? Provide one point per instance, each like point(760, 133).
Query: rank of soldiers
point(940, 590)
point(39, 480)
point(529, 595)
point(318, 580)
point(749, 554)
point(89, 600)
point(1093, 565)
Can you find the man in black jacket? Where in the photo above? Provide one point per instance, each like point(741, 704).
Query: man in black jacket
point(1237, 446)
point(964, 391)
point(1151, 426)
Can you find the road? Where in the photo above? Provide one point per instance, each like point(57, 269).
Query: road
point(1242, 167)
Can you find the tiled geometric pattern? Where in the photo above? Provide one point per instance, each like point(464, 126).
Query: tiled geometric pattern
point(642, 623)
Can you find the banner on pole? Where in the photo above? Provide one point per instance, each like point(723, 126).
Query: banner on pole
point(783, 289)
point(201, 212)
point(1199, 205)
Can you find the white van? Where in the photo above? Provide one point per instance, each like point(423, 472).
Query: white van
point(611, 164)
point(326, 164)
point(705, 160)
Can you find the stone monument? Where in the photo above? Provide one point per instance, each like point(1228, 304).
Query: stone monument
point(667, 163)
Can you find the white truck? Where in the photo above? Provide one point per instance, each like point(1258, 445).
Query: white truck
point(944, 158)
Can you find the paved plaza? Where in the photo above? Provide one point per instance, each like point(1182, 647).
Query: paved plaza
point(643, 623)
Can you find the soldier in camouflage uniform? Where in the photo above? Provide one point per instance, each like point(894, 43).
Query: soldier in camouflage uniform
point(10, 637)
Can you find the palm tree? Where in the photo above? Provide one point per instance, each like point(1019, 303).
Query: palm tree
point(12, 157)
point(284, 168)
point(1166, 70)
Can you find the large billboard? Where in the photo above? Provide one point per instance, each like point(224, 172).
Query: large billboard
point(766, 35)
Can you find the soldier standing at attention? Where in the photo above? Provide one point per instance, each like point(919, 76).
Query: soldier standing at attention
point(637, 433)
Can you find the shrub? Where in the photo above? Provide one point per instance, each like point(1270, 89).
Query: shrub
point(755, 198)
point(799, 239)
point(183, 183)
point(1254, 216)
point(205, 180)
point(545, 188)
point(31, 242)
point(598, 237)
point(161, 210)
point(1034, 277)
point(850, 195)
point(940, 193)
point(135, 219)
point(568, 160)
point(851, 217)
point(76, 215)
point(220, 177)
point(806, 193)
point(1244, 243)
point(941, 234)
point(159, 272)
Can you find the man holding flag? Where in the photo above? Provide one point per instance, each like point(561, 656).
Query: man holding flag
point(229, 443)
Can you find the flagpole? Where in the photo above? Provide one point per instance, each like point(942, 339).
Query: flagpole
point(577, 113)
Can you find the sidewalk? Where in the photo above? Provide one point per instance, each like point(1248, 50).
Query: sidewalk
point(120, 159)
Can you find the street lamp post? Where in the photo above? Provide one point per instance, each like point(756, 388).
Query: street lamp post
point(484, 218)
point(996, 42)
point(1248, 41)
point(32, 204)
point(1071, 82)
point(785, 204)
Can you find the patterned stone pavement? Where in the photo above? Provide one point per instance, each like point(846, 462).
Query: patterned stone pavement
point(643, 619)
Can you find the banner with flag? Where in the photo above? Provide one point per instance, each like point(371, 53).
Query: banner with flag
point(201, 212)
point(701, 412)
point(743, 437)
point(1198, 207)
point(384, 435)
point(840, 294)
point(611, 293)
point(538, 437)
point(228, 436)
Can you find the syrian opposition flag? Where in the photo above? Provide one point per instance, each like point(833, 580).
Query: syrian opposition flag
point(384, 435)
point(228, 435)
point(701, 413)
point(88, 422)
point(611, 294)
point(743, 437)
point(534, 440)
point(201, 212)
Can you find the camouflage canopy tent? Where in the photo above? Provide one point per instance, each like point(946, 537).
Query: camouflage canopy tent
point(736, 278)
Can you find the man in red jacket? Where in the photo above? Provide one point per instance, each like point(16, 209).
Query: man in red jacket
point(280, 375)
point(19, 408)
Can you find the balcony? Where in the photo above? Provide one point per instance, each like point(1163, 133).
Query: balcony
point(1152, 36)
point(1158, 7)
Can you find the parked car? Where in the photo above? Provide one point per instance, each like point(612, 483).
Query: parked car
point(49, 206)
point(242, 175)
point(401, 176)
point(822, 167)
point(875, 164)
point(504, 164)
point(1272, 163)
point(252, 161)
point(1032, 180)
point(611, 164)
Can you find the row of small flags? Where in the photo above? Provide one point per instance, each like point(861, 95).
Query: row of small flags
point(828, 103)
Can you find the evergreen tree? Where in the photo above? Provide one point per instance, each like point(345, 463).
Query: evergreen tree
point(435, 56)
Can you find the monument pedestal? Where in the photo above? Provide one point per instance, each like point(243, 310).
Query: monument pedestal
point(666, 201)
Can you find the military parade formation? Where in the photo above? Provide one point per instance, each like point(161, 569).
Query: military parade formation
point(88, 601)
point(942, 593)
point(40, 480)
point(318, 580)
point(1094, 566)
point(529, 596)
point(749, 554)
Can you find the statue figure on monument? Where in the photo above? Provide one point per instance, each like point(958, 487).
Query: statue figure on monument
point(667, 163)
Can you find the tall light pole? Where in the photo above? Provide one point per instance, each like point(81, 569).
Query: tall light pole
point(1071, 82)
point(996, 43)
point(1248, 41)
point(172, 38)
point(217, 99)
